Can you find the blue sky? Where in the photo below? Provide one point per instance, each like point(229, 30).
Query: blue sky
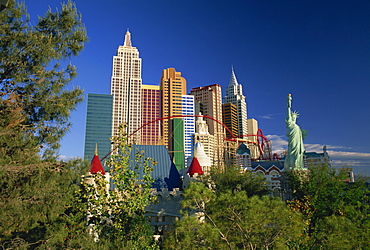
point(319, 51)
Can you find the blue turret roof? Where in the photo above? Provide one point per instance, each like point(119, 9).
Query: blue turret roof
point(242, 149)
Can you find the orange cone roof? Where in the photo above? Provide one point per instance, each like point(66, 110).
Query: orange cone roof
point(195, 167)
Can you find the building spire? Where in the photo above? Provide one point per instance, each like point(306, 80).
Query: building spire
point(127, 42)
point(233, 80)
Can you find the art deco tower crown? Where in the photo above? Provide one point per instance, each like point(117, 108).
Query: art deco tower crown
point(126, 88)
point(234, 95)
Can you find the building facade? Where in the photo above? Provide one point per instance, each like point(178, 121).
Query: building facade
point(209, 99)
point(189, 125)
point(203, 136)
point(230, 118)
point(252, 138)
point(234, 95)
point(151, 110)
point(126, 89)
point(176, 143)
point(173, 87)
point(98, 124)
point(313, 159)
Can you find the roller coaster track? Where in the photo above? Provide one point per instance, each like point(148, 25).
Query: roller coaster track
point(262, 141)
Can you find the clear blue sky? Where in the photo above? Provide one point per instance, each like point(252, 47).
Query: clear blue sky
point(319, 51)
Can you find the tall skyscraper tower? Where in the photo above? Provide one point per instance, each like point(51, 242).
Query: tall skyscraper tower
point(234, 95)
point(126, 88)
point(209, 99)
point(173, 87)
point(189, 125)
point(98, 124)
point(151, 110)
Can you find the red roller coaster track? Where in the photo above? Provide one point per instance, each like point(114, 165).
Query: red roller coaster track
point(262, 141)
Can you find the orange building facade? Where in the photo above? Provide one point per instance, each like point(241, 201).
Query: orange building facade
point(173, 87)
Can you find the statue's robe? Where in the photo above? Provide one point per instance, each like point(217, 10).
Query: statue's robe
point(294, 158)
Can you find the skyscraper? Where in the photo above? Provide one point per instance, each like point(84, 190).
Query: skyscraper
point(234, 95)
point(98, 124)
point(173, 87)
point(189, 125)
point(210, 100)
point(151, 110)
point(126, 88)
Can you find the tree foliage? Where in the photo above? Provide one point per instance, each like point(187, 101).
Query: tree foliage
point(34, 102)
point(328, 212)
point(232, 179)
point(232, 220)
point(332, 205)
point(35, 200)
point(16, 144)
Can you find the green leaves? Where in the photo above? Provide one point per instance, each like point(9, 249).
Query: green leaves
point(34, 201)
point(231, 179)
point(329, 202)
point(32, 69)
point(229, 219)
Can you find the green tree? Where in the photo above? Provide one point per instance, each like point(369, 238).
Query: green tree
point(329, 202)
point(34, 102)
point(190, 233)
point(35, 200)
point(37, 196)
point(232, 220)
point(16, 145)
point(232, 179)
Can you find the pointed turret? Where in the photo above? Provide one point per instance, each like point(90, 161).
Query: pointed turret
point(243, 157)
point(233, 80)
point(195, 168)
point(96, 166)
point(199, 153)
point(127, 42)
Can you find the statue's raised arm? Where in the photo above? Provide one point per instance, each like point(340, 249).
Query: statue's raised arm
point(289, 106)
point(294, 158)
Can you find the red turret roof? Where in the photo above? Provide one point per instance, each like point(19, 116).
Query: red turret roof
point(195, 167)
point(96, 166)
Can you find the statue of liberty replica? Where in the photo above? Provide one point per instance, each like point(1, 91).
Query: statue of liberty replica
point(296, 135)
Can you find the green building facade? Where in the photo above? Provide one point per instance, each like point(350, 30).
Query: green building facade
point(177, 143)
